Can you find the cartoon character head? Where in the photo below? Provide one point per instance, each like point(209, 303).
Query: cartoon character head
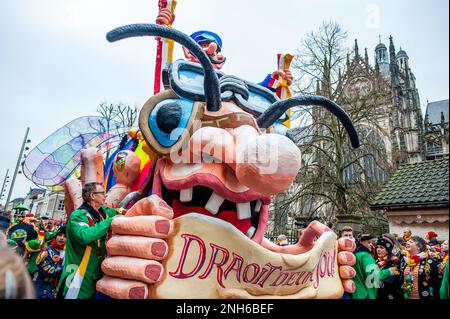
point(211, 43)
point(222, 146)
point(126, 167)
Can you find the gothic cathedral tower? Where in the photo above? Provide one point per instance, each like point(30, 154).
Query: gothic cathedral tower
point(406, 116)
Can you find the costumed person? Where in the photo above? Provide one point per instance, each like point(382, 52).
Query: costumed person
point(27, 240)
point(87, 231)
point(433, 243)
point(443, 258)
point(212, 45)
point(407, 234)
point(347, 232)
point(367, 270)
point(15, 283)
point(386, 258)
point(401, 243)
point(4, 223)
point(443, 292)
point(420, 273)
point(282, 240)
point(50, 263)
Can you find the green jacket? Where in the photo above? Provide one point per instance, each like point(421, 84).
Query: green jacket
point(368, 276)
point(79, 235)
point(444, 286)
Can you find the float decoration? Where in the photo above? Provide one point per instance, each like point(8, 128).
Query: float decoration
point(56, 158)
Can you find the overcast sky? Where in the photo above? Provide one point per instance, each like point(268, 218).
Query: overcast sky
point(56, 65)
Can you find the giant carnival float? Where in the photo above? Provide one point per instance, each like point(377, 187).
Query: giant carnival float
point(194, 182)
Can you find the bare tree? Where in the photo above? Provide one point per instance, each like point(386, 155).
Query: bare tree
point(112, 113)
point(335, 181)
point(126, 114)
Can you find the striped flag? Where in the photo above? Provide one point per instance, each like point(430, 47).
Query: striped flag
point(164, 51)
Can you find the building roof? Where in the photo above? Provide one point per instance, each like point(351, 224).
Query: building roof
point(380, 46)
point(434, 110)
point(401, 54)
point(419, 184)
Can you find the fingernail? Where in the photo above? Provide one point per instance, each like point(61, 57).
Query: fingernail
point(159, 249)
point(349, 257)
point(137, 293)
point(162, 226)
point(348, 243)
point(153, 272)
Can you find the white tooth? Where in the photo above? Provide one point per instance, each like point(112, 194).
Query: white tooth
point(243, 211)
point(186, 195)
point(214, 203)
point(250, 232)
point(258, 205)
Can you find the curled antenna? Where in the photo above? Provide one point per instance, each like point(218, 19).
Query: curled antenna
point(274, 112)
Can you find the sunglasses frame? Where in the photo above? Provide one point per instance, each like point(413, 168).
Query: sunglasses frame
point(171, 76)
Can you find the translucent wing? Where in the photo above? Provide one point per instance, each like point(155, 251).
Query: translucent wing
point(53, 160)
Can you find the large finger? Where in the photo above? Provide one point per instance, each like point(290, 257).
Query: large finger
point(314, 229)
point(152, 205)
point(148, 271)
point(346, 258)
point(73, 198)
point(346, 272)
point(346, 244)
point(349, 285)
point(91, 166)
point(135, 246)
point(147, 226)
point(118, 288)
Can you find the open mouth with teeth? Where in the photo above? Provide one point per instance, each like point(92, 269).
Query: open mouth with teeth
point(212, 189)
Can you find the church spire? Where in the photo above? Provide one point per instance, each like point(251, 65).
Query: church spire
point(392, 57)
point(356, 49)
point(393, 66)
point(366, 56)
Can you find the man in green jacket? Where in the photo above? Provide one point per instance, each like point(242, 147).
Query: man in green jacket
point(368, 276)
point(87, 231)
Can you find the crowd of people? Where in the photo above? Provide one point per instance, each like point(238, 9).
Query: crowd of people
point(32, 258)
point(37, 258)
point(59, 260)
point(399, 267)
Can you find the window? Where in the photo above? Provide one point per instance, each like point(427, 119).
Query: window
point(61, 205)
point(51, 205)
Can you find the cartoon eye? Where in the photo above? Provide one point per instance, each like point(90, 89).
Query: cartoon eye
point(169, 119)
point(165, 121)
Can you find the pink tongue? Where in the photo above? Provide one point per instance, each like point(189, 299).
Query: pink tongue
point(228, 216)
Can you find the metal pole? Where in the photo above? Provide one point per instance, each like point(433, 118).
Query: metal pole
point(4, 183)
point(19, 160)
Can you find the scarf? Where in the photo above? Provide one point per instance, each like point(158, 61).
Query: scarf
point(383, 261)
point(407, 237)
point(98, 216)
point(57, 247)
point(414, 260)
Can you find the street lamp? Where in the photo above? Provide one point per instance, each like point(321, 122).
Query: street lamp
point(5, 182)
point(19, 160)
